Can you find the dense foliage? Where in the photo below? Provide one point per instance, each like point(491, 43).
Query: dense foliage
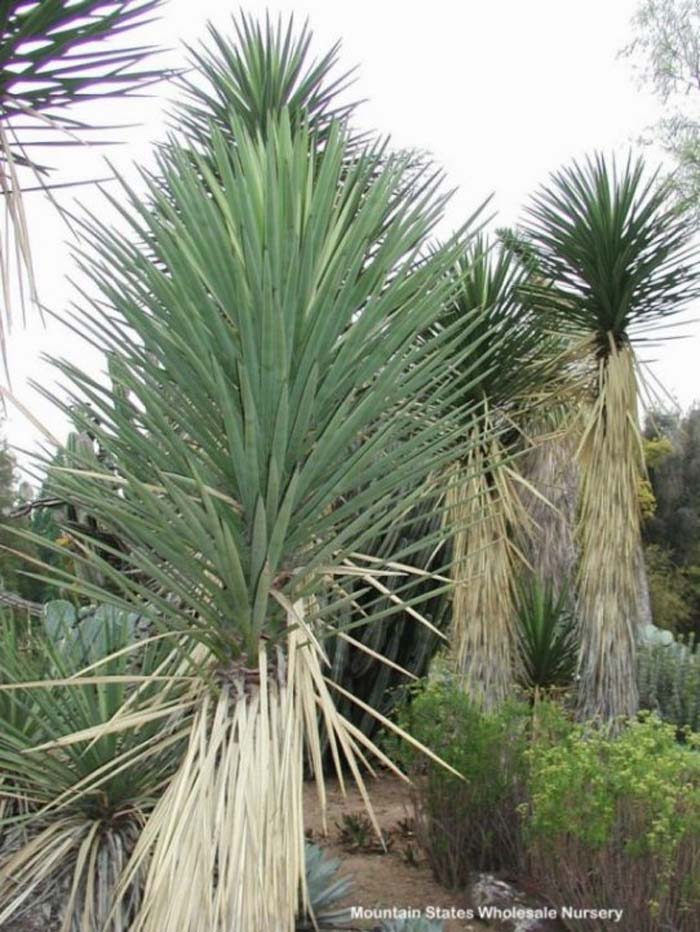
point(669, 682)
point(466, 824)
point(672, 530)
point(616, 820)
point(592, 816)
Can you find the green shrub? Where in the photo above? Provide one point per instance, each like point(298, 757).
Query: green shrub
point(614, 821)
point(466, 824)
point(669, 682)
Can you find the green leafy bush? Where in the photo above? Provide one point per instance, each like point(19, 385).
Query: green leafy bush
point(614, 820)
point(467, 823)
point(669, 682)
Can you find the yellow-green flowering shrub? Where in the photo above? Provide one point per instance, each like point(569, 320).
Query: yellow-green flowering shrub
point(613, 821)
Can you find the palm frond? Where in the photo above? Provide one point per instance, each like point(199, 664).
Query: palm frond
point(54, 56)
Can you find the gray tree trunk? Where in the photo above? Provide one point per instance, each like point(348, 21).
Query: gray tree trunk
point(644, 616)
point(549, 543)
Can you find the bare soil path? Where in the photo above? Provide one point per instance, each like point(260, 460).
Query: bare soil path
point(400, 878)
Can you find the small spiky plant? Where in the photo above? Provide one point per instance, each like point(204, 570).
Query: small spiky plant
point(326, 889)
point(546, 635)
point(617, 255)
point(56, 835)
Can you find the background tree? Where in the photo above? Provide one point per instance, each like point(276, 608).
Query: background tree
point(672, 529)
point(665, 51)
point(483, 488)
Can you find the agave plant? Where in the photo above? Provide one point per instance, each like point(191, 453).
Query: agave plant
point(325, 891)
point(617, 254)
point(60, 843)
point(263, 311)
point(483, 488)
point(412, 925)
point(55, 55)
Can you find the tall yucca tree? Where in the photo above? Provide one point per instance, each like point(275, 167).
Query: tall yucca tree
point(618, 255)
point(483, 497)
point(272, 396)
point(263, 68)
point(54, 56)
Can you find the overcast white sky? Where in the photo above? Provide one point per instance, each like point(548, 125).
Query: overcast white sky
point(501, 92)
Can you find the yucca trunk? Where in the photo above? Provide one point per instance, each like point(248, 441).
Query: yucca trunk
point(552, 474)
point(225, 843)
point(611, 461)
point(482, 504)
point(230, 821)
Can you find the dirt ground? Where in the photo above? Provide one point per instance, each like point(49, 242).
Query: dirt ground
point(400, 878)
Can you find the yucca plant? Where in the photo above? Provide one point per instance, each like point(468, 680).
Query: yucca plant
point(55, 55)
point(256, 73)
point(260, 70)
point(483, 487)
point(72, 812)
point(262, 310)
point(616, 253)
point(546, 634)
